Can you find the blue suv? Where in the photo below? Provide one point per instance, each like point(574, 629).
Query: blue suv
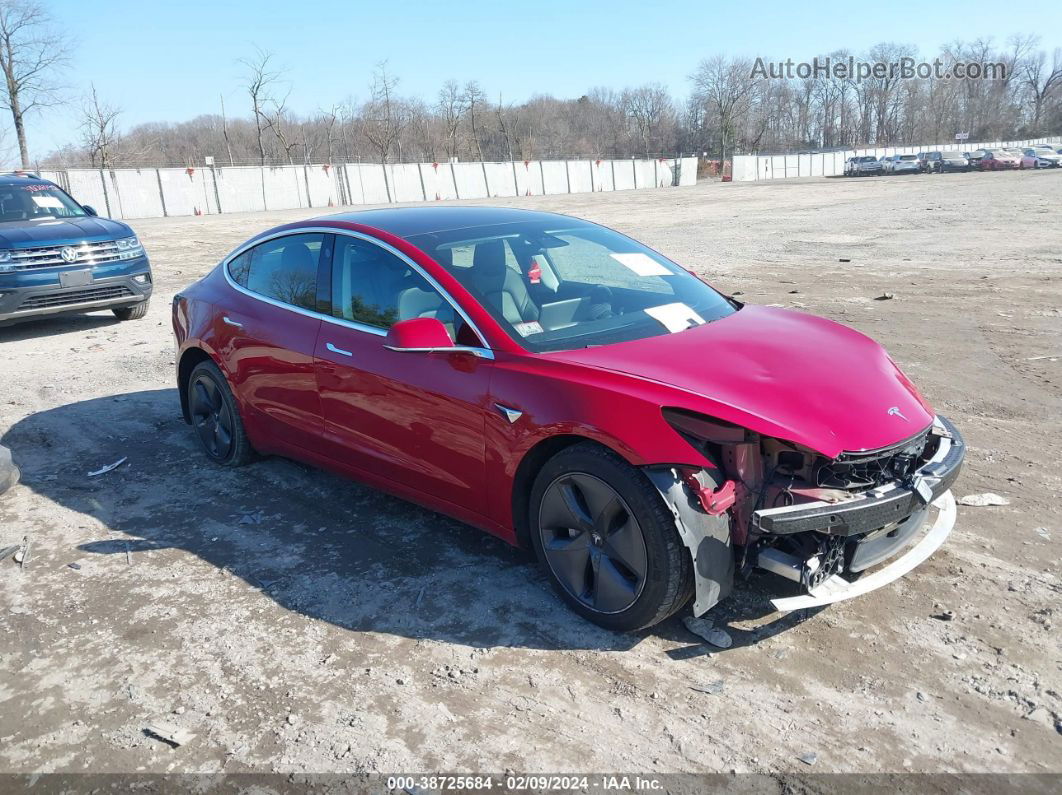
point(57, 257)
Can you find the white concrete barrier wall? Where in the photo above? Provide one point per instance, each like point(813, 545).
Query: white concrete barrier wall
point(156, 192)
point(405, 182)
point(747, 168)
point(554, 176)
point(601, 174)
point(529, 178)
point(623, 174)
point(438, 181)
point(580, 176)
point(501, 180)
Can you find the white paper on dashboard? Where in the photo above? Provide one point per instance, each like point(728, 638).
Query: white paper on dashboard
point(641, 264)
point(47, 201)
point(675, 317)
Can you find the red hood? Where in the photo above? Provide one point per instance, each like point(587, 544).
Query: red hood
point(780, 373)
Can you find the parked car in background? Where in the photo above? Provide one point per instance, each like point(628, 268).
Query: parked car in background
point(544, 378)
point(1035, 158)
point(57, 257)
point(861, 166)
point(903, 164)
point(923, 161)
point(974, 157)
point(941, 162)
point(998, 160)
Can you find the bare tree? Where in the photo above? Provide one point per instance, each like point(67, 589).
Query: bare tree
point(1043, 82)
point(276, 121)
point(99, 130)
point(451, 111)
point(383, 114)
point(260, 78)
point(31, 55)
point(726, 86)
point(647, 107)
point(473, 98)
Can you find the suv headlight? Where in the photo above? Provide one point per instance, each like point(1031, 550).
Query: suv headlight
point(129, 248)
point(6, 262)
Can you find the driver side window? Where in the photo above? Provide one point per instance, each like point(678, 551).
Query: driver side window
point(373, 287)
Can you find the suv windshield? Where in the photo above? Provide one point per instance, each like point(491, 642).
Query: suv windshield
point(908, 157)
point(33, 200)
point(558, 285)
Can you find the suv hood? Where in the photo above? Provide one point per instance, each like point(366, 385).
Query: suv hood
point(53, 231)
point(781, 373)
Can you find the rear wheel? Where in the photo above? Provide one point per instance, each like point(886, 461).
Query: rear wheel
point(607, 540)
point(216, 418)
point(135, 312)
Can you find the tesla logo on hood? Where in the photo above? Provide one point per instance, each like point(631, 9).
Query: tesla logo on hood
point(895, 412)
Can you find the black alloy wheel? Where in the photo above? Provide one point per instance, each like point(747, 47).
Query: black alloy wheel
point(216, 418)
point(211, 417)
point(592, 542)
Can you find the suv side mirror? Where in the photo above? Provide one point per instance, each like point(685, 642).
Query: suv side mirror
point(89, 209)
point(420, 334)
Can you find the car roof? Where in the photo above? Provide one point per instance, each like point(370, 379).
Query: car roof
point(411, 221)
point(19, 178)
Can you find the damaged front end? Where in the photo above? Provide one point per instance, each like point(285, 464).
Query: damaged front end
point(767, 503)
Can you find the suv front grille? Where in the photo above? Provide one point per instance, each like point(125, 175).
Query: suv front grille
point(50, 257)
point(72, 297)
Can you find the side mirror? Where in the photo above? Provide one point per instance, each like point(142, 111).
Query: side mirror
point(89, 209)
point(419, 334)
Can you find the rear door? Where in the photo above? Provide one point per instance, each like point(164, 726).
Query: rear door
point(416, 419)
point(267, 332)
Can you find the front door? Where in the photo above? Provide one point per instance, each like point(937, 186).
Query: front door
point(416, 419)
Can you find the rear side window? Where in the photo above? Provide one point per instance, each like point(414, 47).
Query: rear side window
point(284, 269)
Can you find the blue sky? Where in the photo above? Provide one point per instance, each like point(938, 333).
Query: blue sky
point(168, 61)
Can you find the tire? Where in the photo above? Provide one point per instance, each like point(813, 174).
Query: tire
point(134, 312)
point(216, 417)
point(621, 525)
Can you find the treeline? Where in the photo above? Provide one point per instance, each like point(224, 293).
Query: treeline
point(729, 110)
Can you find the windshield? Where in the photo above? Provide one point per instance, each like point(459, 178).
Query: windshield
point(34, 200)
point(866, 159)
point(908, 157)
point(954, 156)
point(564, 284)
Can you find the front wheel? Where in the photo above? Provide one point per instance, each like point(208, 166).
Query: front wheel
point(607, 541)
point(134, 312)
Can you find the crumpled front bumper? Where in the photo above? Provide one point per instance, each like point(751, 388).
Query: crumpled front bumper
point(901, 507)
point(837, 589)
point(877, 507)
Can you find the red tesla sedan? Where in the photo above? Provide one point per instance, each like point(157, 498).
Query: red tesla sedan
point(573, 391)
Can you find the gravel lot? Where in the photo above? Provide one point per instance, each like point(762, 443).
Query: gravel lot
point(295, 622)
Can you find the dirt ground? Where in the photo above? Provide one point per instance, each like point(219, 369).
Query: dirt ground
point(297, 622)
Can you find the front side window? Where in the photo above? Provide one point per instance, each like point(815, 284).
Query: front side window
point(374, 287)
point(564, 284)
point(284, 269)
point(33, 201)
